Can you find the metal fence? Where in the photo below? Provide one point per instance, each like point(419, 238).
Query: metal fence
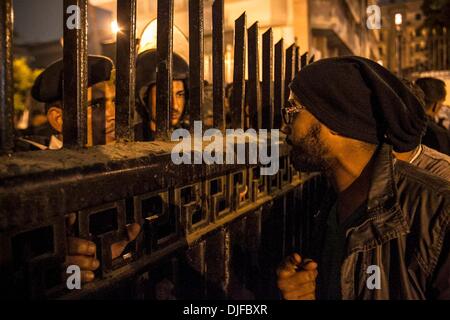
point(199, 238)
point(438, 50)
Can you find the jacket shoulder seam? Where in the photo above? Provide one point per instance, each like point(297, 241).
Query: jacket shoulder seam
point(420, 177)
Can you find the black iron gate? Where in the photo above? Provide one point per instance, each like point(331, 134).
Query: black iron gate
point(199, 238)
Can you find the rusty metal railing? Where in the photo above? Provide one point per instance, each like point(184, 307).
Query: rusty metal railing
point(125, 72)
point(200, 237)
point(6, 77)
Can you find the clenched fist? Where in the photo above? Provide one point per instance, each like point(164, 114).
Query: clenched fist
point(82, 252)
point(297, 280)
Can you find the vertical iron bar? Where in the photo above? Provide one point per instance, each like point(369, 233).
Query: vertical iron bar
point(217, 257)
point(290, 69)
point(278, 83)
point(254, 93)
point(429, 51)
point(6, 77)
point(98, 125)
point(218, 65)
point(196, 61)
point(442, 45)
point(267, 81)
point(75, 75)
point(297, 59)
point(284, 224)
point(434, 49)
point(445, 47)
point(238, 98)
point(437, 52)
point(125, 69)
point(164, 70)
point(304, 60)
point(399, 55)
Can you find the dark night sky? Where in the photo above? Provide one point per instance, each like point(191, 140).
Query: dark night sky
point(37, 20)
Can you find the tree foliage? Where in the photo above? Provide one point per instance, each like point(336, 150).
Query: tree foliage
point(24, 78)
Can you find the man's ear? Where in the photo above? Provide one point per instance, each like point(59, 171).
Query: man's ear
point(54, 116)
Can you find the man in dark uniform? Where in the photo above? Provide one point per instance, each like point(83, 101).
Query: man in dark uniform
point(48, 88)
point(100, 130)
point(146, 93)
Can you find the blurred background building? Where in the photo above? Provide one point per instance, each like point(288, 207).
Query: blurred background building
point(414, 38)
point(417, 45)
point(424, 47)
point(325, 28)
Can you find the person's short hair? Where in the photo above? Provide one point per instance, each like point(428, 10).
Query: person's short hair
point(416, 90)
point(433, 89)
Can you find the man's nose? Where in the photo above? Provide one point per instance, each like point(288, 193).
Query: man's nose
point(175, 105)
point(110, 109)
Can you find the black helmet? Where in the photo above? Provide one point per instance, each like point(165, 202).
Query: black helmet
point(146, 72)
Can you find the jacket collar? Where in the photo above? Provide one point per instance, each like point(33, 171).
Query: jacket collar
point(385, 220)
point(382, 187)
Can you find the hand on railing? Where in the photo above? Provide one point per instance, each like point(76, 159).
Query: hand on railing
point(297, 280)
point(243, 193)
point(82, 252)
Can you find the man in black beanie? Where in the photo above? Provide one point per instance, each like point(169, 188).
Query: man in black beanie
point(382, 230)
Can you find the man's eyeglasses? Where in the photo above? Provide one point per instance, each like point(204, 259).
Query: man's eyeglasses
point(290, 110)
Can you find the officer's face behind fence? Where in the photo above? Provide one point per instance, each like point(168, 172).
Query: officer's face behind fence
point(100, 113)
point(178, 104)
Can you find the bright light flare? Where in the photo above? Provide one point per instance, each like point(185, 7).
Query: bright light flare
point(115, 28)
point(398, 19)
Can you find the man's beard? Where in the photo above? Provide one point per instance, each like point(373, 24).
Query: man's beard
point(308, 153)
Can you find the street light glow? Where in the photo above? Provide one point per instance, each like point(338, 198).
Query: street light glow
point(115, 28)
point(398, 19)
